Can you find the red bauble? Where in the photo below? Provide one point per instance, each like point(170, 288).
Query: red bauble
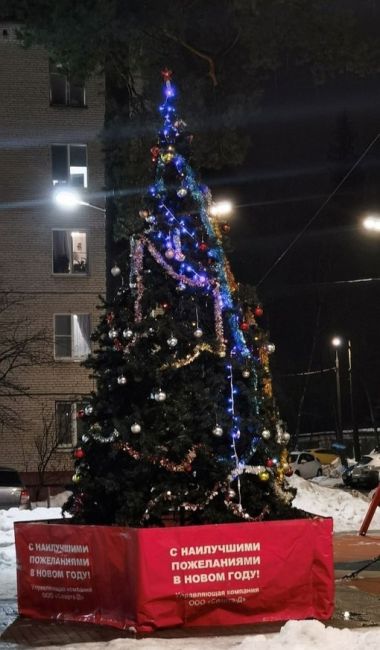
point(258, 311)
point(289, 472)
point(80, 414)
point(226, 227)
point(110, 317)
point(270, 462)
point(79, 453)
point(203, 247)
point(155, 151)
point(244, 326)
point(167, 74)
point(118, 346)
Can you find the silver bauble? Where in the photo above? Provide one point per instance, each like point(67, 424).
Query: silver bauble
point(231, 493)
point(265, 434)
point(88, 409)
point(181, 286)
point(182, 192)
point(217, 431)
point(115, 271)
point(198, 333)
point(121, 380)
point(112, 333)
point(172, 342)
point(169, 253)
point(286, 436)
point(271, 348)
point(160, 396)
point(135, 428)
point(246, 374)
point(127, 333)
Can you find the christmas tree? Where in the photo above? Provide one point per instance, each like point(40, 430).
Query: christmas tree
point(183, 423)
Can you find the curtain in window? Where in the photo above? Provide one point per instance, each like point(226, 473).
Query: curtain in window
point(81, 335)
point(61, 251)
point(59, 161)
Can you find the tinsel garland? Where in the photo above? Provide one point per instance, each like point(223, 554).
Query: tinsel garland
point(95, 433)
point(180, 363)
point(137, 263)
point(184, 466)
point(235, 508)
point(219, 319)
point(202, 282)
point(177, 246)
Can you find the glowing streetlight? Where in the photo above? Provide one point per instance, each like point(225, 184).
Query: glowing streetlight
point(69, 199)
point(372, 223)
point(221, 209)
point(336, 342)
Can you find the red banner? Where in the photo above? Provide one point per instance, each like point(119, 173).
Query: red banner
point(225, 574)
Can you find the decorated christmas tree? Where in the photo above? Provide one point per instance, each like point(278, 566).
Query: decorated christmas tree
point(183, 427)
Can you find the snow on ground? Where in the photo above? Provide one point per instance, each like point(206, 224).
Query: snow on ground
point(347, 508)
point(297, 635)
point(7, 543)
point(321, 496)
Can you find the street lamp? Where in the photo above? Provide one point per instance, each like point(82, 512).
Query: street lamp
point(372, 223)
point(337, 342)
point(69, 199)
point(221, 209)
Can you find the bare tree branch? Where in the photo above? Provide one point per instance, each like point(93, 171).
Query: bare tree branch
point(201, 55)
point(22, 348)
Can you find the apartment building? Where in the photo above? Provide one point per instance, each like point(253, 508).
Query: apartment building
point(52, 262)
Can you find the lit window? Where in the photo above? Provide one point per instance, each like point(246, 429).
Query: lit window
point(70, 252)
point(68, 427)
point(69, 164)
point(71, 336)
point(65, 89)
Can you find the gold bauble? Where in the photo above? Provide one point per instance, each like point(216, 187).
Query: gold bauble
point(264, 476)
point(167, 157)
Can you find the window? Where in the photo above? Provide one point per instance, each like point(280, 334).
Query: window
point(68, 428)
point(71, 336)
point(65, 89)
point(69, 164)
point(69, 252)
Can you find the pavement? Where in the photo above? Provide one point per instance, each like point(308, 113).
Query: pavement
point(357, 604)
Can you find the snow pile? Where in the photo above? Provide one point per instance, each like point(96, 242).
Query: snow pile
point(297, 635)
point(7, 543)
point(301, 635)
point(348, 509)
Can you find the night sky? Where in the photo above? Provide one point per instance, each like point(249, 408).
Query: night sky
point(305, 138)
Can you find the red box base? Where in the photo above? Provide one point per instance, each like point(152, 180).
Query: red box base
point(144, 579)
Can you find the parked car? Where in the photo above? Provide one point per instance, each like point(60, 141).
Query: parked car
point(365, 473)
point(325, 456)
point(305, 464)
point(13, 493)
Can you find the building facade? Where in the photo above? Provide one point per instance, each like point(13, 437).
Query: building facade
point(52, 262)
